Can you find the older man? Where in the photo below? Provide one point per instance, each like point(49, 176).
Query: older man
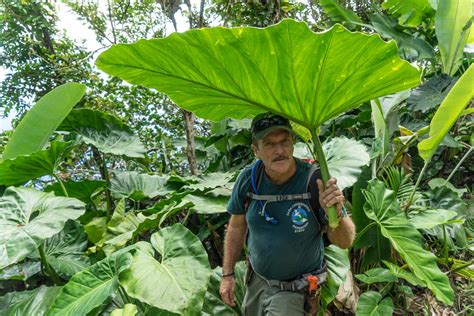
point(271, 201)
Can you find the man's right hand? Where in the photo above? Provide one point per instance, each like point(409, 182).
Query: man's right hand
point(227, 290)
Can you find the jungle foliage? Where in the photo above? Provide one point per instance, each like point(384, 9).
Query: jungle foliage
point(99, 212)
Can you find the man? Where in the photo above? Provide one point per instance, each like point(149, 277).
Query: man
point(284, 239)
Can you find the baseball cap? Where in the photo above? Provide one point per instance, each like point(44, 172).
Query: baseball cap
point(265, 123)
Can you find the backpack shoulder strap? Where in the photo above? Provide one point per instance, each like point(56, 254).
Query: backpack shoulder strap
point(256, 175)
point(312, 187)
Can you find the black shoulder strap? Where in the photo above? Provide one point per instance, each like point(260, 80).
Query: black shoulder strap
point(312, 187)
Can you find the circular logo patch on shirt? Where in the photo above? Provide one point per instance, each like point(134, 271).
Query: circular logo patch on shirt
point(299, 216)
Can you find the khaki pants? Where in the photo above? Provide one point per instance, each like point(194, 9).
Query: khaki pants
point(263, 299)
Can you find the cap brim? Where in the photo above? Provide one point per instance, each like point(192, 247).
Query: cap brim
point(265, 132)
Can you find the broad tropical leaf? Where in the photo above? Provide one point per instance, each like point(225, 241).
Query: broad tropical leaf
point(451, 18)
point(91, 287)
point(213, 304)
point(431, 93)
point(448, 113)
point(82, 190)
point(42, 119)
point(409, 12)
point(409, 45)
point(345, 158)
point(337, 260)
point(21, 271)
point(104, 131)
point(178, 281)
point(28, 217)
point(38, 164)
point(206, 204)
point(286, 68)
point(210, 181)
point(35, 302)
point(426, 219)
point(373, 304)
point(376, 275)
point(65, 250)
point(337, 13)
point(403, 274)
point(138, 186)
point(383, 208)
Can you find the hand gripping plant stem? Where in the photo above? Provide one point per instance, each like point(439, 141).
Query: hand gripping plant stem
point(318, 150)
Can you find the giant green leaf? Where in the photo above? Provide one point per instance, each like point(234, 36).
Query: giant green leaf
point(409, 12)
point(286, 68)
point(35, 302)
point(28, 217)
point(29, 167)
point(372, 303)
point(431, 93)
point(42, 119)
point(383, 208)
point(104, 131)
point(177, 281)
point(404, 274)
point(21, 271)
point(91, 287)
point(451, 18)
point(207, 204)
point(448, 113)
point(138, 186)
point(213, 304)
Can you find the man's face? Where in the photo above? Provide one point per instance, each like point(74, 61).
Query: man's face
point(276, 151)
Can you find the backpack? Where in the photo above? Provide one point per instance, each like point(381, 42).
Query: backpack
point(312, 192)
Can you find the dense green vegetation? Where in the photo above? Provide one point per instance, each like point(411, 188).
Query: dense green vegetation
point(113, 194)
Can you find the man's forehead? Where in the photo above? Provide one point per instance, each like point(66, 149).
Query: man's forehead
point(276, 134)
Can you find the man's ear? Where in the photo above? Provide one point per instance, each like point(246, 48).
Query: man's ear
point(255, 150)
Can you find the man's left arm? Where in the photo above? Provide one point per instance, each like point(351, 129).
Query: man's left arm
point(343, 235)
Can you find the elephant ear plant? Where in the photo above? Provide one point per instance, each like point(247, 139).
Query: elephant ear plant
point(287, 69)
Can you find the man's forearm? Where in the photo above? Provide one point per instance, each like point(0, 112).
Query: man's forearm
point(233, 244)
point(343, 235)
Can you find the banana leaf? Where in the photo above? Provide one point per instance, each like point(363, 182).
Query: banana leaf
point(42, 119)
point(451, 19)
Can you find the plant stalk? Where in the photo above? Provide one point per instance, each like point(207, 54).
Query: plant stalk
point(49, 270)
point(318, 149)
point(458, 165)
point(410, 199)
point(61, 184)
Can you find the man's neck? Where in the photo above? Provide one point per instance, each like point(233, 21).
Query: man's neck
point(280, 178)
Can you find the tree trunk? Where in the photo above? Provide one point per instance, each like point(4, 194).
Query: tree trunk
point(190, 144)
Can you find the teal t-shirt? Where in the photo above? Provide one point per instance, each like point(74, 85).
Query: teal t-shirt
point(290, 248)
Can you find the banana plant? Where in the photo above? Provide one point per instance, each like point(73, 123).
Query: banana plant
point(286, 68)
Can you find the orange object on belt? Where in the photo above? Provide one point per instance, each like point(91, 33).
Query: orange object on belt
point(312, 283)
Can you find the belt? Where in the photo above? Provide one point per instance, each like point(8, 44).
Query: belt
point(297, 285)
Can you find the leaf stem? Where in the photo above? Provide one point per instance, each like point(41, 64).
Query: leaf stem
point(366, 228)
point(410, 199)
point(318, 149)
point(61, 184)
point(49, 270)
point(457, 166)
